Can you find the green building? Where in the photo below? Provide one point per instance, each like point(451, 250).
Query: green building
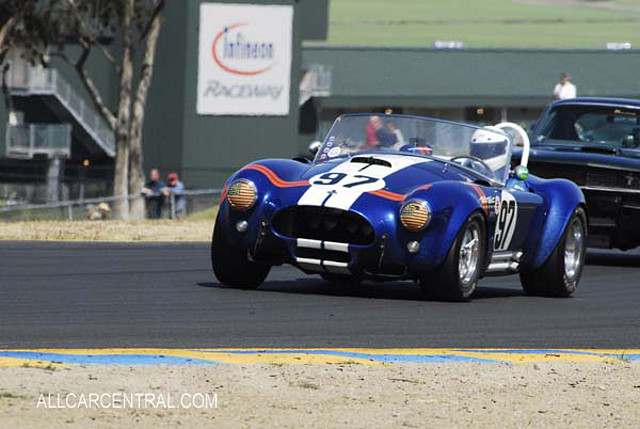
point(234, 82)
point(483, 86)
point(54, 133)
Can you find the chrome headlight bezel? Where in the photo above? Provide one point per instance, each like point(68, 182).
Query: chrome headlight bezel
point(415, 215)
point(242, 195)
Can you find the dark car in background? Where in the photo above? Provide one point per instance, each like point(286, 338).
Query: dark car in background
point(595, 142)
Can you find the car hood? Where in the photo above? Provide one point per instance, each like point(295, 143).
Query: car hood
point(400, 173)
point(624, 159)
point(351, 183)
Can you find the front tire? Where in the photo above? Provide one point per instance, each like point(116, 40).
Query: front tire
point(232, 266)
point(560, 274)
point(457, 278)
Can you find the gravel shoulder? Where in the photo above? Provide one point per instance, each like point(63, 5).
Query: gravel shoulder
point(452, 395)
point(110, 230)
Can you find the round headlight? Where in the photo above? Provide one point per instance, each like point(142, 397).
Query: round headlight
point(242, 194)
point(415, 215)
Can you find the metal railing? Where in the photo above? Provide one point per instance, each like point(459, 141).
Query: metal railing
point(37, 80)
point(25, 141)
point(316, 82)
point(197, 201)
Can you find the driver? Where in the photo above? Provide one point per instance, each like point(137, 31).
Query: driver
point(378, 135)
point(490, 145)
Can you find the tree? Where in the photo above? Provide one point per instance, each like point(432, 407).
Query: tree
point(136, 25)
point(24, 23)
point(10, 15)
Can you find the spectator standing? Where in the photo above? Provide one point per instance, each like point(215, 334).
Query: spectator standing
point(154, 195)
point(564, 89)
point(175, 192)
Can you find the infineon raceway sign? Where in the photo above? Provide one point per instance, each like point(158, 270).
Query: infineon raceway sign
point(244, 63)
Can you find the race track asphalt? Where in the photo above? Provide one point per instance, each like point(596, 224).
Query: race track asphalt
point(86, 295)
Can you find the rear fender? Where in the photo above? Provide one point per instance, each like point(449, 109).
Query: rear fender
point(561, 197)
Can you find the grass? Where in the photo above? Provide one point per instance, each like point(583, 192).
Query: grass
point(48, 366)
point(486, 23)
point(110, 230)
point(197, 226)
point(208, 214)
point(9, 395)
point(305, 385)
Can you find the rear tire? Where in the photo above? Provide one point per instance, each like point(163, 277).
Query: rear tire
point(232, 266)
point(560, 274)
point(457, 278)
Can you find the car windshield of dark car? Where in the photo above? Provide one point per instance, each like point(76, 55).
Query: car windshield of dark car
point(591, 125)
point(487, 151)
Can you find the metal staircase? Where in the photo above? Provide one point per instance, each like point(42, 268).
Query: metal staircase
point(36, 84)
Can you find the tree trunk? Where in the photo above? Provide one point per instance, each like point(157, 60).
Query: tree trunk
point(6, 28)
point(121, 174)
point(4, 49)
point(135, 149)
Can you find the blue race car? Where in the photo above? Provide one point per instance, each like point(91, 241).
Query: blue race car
point(595, 142)
point(403, 197)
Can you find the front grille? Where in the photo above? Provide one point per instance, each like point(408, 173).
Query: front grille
point(322, 254)
point(323, 223)
point(575, 173)
point(603, 178)
point(588, 176)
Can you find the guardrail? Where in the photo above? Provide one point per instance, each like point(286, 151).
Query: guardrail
point(25, 141)
point(197, 200)
point(37, 80)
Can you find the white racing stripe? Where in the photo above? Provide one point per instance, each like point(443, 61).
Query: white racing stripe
point(333, 190)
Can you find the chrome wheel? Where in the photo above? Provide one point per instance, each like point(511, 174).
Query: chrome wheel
point(469, 254)
point(573, 249)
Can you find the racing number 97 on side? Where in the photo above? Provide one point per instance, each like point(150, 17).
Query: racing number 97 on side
point(506, 223)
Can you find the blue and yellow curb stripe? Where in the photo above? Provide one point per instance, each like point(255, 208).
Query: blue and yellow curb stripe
point(362, 356)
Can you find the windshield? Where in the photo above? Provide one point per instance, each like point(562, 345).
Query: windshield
point(598, 125)
point(487, 151)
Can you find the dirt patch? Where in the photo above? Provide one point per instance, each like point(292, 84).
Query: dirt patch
point(111, 230)
point(462, 395)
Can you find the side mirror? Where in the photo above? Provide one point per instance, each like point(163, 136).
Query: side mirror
point(314, 147)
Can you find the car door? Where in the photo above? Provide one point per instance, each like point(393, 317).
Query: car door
point(515, 211)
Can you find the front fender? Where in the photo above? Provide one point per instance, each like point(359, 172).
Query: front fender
point(561, 197)
point(451, 203)
point(277, 184)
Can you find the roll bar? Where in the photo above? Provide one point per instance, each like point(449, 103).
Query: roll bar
point(522, 172)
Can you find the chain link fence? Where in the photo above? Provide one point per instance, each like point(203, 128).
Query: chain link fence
point(196, 203)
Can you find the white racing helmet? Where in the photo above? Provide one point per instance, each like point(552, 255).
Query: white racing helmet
point(490, 145)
